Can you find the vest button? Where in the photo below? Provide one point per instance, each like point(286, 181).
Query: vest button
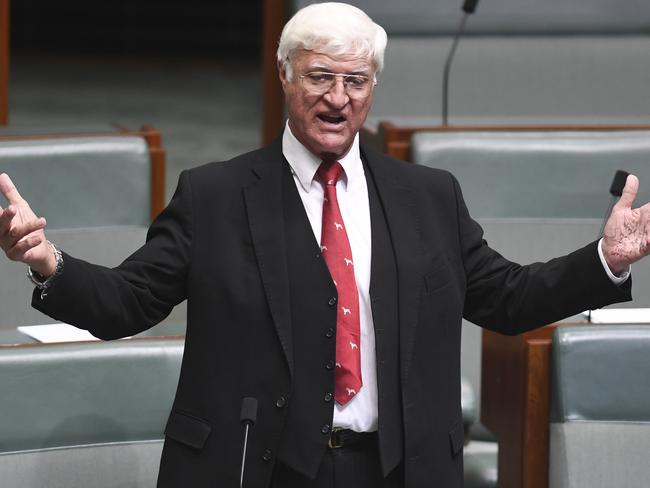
point(332, 301)
point(325, 429)
point(267, 455)
point(327, 398)
point(329, 366)
point(281, 402)
point(329, 333)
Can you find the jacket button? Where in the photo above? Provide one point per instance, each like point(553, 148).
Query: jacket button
point(332, 301)
point(325, 429)
point(267, 455)
point(329, 333)
point(327, 398)
point(281, 402)
point(329, 366)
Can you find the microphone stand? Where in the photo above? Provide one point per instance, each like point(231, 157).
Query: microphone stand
point(445, 79)
point(243, 457)
point(248, 417)
point(469, 6)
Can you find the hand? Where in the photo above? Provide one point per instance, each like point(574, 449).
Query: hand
point(626, 237)
point(21, 232)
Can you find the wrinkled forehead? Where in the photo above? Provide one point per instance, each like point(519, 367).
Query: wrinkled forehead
point(349, 62)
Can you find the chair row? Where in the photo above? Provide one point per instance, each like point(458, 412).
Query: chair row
point(94, 414)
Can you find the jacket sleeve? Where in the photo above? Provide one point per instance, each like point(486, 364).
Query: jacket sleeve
point(140, 292)
point(511, 298)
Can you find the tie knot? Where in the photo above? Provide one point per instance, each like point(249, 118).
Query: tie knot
point(330, 172)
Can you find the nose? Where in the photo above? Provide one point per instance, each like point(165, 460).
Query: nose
point(337, 96)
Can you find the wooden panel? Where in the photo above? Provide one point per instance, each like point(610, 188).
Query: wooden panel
point(275, 14)
point(157, 155)
point(515, 389)
point(396, 140)
point(4, 62)
point(537, 407)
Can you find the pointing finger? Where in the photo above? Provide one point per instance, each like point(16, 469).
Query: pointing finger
point(629, 192)
point(8, 189)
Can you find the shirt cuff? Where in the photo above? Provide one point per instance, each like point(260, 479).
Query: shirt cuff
point(617, 280)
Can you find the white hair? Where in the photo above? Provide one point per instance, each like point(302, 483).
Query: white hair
point(332, 28)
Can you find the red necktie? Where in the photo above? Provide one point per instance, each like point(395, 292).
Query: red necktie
point(338, 256)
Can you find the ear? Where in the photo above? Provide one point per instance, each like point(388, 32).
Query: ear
point(282, 73)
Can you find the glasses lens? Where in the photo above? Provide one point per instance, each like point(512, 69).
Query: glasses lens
point(319, 83)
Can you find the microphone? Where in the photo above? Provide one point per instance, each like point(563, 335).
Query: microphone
point(248, 417)
point(468, 7)
point(616, 190)
point(618, 183)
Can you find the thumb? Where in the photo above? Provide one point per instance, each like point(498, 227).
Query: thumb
point(629, 192)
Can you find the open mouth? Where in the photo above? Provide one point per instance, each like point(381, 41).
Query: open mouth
point(332, 119)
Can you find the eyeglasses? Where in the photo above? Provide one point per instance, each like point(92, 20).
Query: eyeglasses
point(320, 82)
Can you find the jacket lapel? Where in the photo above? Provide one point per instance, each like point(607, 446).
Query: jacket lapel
point(263, 200)
point(402, 217)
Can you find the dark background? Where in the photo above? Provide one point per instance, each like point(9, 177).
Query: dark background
point(227, 29)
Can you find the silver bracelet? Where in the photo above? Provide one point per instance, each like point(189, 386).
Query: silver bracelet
point(40, 281)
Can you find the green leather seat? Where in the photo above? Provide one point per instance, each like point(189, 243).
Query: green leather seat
point(600, 407)
point(82, 181)
point(86, 414)
point(546, 174)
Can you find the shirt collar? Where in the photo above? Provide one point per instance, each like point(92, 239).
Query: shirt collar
point(304, 163)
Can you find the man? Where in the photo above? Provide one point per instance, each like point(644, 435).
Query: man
point(327, 281)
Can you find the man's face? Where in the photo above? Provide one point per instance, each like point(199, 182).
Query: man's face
point(326, 124)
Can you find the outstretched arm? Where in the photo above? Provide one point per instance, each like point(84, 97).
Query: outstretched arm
point(626, 238)
point(22, 237)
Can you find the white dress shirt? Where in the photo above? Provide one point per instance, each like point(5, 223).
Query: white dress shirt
point(360, 413)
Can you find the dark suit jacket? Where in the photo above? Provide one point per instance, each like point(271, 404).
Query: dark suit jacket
point(220, 244)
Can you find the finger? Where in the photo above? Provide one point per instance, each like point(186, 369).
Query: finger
point(22, 230)
point(20, 251)
point(8, 189)
point(5, 218)
point(629, 192)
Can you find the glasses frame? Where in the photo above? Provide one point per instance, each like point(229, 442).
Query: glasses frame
point(350, 92)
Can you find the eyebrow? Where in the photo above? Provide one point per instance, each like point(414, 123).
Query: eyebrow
point(361, 70)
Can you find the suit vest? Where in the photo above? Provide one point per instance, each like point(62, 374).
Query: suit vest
point(313, 326)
